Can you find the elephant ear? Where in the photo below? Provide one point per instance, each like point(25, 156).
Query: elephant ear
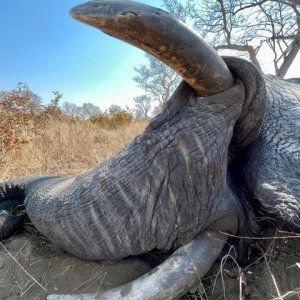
point(271, 171)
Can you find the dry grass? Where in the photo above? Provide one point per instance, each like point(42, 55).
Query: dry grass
point(65, 147)
point(272, 274)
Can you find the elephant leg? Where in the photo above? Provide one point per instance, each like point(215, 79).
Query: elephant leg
point(10, 223)
point(12, 212)
point(12, 197)
point(171, 279)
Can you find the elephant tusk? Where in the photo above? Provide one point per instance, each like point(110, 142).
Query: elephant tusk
point(171, 279)
point(162, 35)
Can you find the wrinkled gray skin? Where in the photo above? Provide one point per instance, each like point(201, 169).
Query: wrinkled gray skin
point(272, 162)
point(160, 191)
point(205, 164)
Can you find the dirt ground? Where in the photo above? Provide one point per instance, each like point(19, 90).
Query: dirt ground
point(274, 273)
point(31, 268)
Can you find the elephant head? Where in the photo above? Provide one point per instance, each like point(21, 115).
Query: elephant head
point(177, 185)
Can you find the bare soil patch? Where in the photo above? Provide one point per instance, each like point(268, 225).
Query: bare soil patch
point(39, 268)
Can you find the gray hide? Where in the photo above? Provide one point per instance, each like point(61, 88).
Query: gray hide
point(271, 172)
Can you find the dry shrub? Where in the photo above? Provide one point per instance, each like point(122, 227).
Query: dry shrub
point(65, 146)
point(19, 109)
point(11, 129)
point(21, 112)
point(37, 139)
point(112, 121)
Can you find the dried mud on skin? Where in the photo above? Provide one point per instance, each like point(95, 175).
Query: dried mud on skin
point(58, 272)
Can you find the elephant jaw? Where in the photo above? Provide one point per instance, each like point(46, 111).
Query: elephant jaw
point(162, 35)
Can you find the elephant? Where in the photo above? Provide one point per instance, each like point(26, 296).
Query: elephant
point(223, 153)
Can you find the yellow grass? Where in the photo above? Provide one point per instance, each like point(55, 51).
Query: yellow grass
point(66, 147)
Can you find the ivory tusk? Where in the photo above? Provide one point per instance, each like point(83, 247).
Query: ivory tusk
point(162, 35)
point(171, 279)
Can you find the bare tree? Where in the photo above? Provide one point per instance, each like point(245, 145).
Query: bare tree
point(143, 106)
point(246, 26)
point(283, 37)
point(53, 109)
point(157, 80)
point(86, 111)
point(114, 109)
point(70, 109)
point(89, 110)
point(20, 99)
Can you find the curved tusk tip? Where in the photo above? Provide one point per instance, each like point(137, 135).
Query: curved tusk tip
point(109, 15)
point(96, 12)
point(86, 10)
point(99, 10)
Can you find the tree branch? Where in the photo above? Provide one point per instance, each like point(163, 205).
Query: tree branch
point(289, 59)
point(243, 48)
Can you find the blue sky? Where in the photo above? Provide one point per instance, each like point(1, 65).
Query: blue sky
point(44, 47)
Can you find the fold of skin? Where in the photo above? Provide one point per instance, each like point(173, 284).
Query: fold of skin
point(171, 279)
point(162, 35)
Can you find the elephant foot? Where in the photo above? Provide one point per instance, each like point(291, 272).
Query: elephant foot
point(11, 220)
point(12, 211)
